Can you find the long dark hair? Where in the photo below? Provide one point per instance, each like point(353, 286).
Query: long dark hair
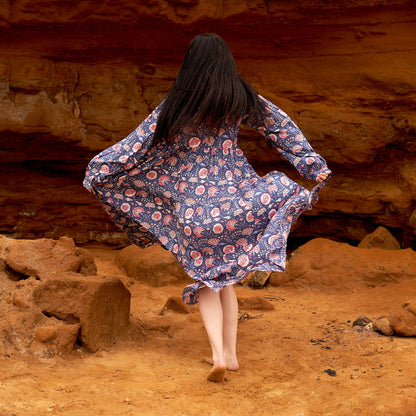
point(207, 89)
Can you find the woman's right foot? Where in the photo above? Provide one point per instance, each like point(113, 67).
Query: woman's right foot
point(232, 365)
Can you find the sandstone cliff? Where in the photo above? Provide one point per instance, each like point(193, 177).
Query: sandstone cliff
point(76, 77)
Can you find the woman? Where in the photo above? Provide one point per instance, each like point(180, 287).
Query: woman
point(181, 181)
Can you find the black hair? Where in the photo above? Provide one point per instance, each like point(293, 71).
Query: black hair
point(207, 89)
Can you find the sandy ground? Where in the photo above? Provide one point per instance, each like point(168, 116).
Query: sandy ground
point(283, 355)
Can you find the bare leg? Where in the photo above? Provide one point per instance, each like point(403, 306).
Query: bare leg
point(211, 311)
point(230, 321)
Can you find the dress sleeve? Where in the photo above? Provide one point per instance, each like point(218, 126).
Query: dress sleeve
point(286, 137)
point(112, 165)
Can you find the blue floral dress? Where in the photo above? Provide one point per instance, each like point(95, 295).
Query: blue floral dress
point(202, 200)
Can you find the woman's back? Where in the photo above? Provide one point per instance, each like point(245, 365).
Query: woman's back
point(181, 180)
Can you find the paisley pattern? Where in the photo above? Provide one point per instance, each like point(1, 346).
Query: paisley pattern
point(202, 200)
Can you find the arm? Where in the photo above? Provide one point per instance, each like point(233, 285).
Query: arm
point(286, 137)
point(113, 163)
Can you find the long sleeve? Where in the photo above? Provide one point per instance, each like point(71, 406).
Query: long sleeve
point(112, 164)
point(287, 138)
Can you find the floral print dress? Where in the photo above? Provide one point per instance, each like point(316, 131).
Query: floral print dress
point(202, 200)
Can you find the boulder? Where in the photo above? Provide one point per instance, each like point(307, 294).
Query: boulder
point(403, 322)
point(45, 334)
point(325, 263)
point(153, 265)
point(100, 305)
point(381, 238)
point(45, 258)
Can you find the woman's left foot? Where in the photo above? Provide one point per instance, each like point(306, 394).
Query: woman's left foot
point(216, 374)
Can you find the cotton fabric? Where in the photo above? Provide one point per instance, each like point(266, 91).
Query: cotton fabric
point(202, 200)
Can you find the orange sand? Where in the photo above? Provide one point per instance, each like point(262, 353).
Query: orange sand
point(282, 354)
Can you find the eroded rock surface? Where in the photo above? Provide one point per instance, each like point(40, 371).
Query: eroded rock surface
point(380, 238)
point(324, 263)
point(45, 258)
point(101, 306)
point(51, 299)
point(77, 77)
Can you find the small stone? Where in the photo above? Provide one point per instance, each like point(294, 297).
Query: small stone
point(61, 338)
point(383, 326)
point(330, 372)
point(362, 321)
point(175, 304)
point(45, 334)
point(66, 337)
point(22, 300)
point(244, 316)
point(365, 328)
point(256, 279)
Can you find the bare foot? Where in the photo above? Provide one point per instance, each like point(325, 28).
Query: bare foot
point(230, 366)
point(216, 374)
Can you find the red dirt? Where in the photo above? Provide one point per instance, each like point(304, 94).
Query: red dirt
point(283, 355)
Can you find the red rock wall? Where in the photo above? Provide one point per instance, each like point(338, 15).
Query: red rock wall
point(76, 77)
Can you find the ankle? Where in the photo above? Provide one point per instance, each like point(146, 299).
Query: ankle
point(218, 360)
point(230, 354)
